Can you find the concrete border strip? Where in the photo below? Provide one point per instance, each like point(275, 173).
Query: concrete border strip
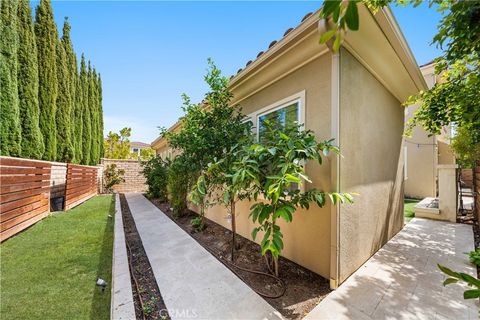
point(122, 306)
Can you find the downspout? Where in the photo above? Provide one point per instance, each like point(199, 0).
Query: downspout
point(335, 162)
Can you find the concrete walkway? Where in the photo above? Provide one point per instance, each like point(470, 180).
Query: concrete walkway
point(402, 281)
point(192, 282)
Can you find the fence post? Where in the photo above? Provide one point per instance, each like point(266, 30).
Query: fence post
point(447, 191)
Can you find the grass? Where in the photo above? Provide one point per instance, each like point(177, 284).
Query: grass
point(408, 205)
point(49, 271)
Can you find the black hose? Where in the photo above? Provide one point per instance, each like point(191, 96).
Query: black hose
point(130, 256)
point(230, 264)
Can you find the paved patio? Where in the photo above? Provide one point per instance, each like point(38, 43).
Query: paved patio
point(402, 281)
point(192, 282)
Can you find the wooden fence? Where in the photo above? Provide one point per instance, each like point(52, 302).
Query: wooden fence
point(476, 189)
point(24, 194)
point(81, 184)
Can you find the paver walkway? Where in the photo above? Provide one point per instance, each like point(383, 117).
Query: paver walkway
point(192, 282)
point(402, 281)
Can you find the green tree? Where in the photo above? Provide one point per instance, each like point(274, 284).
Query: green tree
point(72, 75)
point(32, 139)
point(93, 102)
point(10, 130)
point(466, 150)
point(155, 171)
point(100, 112)
point(86, 118)
point(64, 103)
point(46, 36)
point(455, 99)
point(209, 129)
point(275, 169)
point(78, 121)
point(117, 145)
point(223, 178)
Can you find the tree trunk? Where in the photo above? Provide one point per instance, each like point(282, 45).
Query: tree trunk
point(234, 225)
point(275, 264)
point(274, 259)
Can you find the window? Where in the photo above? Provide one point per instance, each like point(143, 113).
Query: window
point(135, 150)
point(284, 117)
point(283, 114)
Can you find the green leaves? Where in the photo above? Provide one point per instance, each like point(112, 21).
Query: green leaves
point(455, 277)
point(351, 16)
point(327, 36)
point(278, 171)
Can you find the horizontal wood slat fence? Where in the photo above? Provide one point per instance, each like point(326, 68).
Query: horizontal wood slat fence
point(81, 184)
point(476, 188)
point(24, 194)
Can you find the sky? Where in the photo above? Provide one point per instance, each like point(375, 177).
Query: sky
point(150, 52)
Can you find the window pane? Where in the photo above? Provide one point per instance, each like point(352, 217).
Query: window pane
point(282, 119)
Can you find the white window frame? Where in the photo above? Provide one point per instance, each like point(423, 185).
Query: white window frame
point(298, 97)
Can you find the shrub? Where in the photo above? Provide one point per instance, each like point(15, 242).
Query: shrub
point(112, 176)
point(275, 167)
point(474, 257)
point(156, 172)
point(179, 182)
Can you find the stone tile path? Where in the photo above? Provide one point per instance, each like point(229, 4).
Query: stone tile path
point(402, 281)
point(192, 282)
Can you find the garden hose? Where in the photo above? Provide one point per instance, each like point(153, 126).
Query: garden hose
point(134, 279)
point(230, 264)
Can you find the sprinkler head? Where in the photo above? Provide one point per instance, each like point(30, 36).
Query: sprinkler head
point(101, 283)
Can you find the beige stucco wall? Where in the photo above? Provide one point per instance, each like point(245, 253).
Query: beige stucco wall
point(424, 152)
point(421, 161)
point(307, 238)
point(445, 154)
point(371, 127)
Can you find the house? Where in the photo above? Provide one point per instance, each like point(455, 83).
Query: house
point(424, 153)
point(137, 147)
point(354, 96)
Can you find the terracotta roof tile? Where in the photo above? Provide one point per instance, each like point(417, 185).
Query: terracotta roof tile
point(273, 43)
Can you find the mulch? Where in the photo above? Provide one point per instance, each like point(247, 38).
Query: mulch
point(141, 272)
point(304, 289)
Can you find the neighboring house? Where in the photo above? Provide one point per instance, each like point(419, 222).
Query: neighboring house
point(354, 96)
point(423, 153)
point(137, 147)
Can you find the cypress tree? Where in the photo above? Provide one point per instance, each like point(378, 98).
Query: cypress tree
point(86, 118)
point(95, 119)
point(78, 121)
point(63, 114)
point(10, 134)
point(100, 116)
point(32, 139)
point(47, 38)
point(93, 114)
point(75, 118)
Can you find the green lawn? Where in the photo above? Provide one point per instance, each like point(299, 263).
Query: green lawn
point(49, 271)
point(408, 205)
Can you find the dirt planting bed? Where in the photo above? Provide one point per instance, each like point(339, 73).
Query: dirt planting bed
point(303, 288)
point(146, 295)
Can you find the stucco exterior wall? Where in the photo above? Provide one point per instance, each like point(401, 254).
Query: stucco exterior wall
point(445, 154)
point(307, 238)
point(371, 127)
point(423, 152)
point(421, 161)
